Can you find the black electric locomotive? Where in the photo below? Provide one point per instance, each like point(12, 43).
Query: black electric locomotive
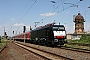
point(49, 34)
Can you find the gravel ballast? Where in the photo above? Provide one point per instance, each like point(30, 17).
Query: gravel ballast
point(13, 52)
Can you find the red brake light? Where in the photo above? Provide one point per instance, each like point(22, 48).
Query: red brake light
point(60, 37)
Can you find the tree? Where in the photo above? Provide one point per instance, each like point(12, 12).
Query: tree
point(83, 37)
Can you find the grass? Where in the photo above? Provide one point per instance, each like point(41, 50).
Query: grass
point(77, 46)
point(86, 41)
point(3, 43)
point(79, 41)
point(0, 56)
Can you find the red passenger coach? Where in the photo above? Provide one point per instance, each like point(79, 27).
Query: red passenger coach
point(27, 35)
point(22, 37)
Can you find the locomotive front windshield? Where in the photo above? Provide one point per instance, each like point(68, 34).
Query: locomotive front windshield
point(58, 28)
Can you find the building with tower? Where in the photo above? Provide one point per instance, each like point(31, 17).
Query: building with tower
point(79, 27)
point(79, 24)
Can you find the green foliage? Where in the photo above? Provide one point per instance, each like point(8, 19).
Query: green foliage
point(89, 39)
point(3, 43)
point(0, 56)
point(84, 37)
point(83, 40)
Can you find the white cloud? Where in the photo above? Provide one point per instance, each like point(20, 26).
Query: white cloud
point(48, 14)
point(0, 26)
point(13, 19)
point(21, 24)
point(27, 26)
point(67, 12)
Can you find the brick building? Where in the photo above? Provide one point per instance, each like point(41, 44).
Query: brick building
point(79, 27)
point(79, 24)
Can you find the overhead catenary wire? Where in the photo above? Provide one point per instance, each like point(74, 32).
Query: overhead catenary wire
point(24, 9)
point(54, 7)
point(68, 7)
point(54, 2)
point(62, 1)
point(28, 10)
point(73, 5)
point(62, 9)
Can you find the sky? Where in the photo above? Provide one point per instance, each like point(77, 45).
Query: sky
point(14, 14)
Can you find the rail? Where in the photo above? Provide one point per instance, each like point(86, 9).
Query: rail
point(44, 54)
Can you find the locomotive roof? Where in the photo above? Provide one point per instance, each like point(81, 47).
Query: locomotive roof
point(38, 28)
point(58, 25)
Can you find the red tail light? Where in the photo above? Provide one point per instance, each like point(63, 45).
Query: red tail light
point(60, 37)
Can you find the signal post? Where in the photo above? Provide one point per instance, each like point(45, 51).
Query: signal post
point(24, 29)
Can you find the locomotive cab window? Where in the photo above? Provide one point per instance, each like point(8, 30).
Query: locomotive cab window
point(55, 28)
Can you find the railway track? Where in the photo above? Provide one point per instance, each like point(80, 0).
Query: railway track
point(67, 53)
point(44, 54)
point(76, 49)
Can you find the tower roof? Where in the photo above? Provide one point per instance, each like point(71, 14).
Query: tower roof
point(79, 16)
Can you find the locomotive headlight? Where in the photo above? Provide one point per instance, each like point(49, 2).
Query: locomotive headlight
point(55, 40)
point(65, 40)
